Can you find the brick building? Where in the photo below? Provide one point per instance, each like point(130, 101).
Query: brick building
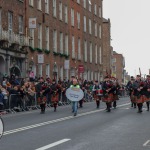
point(63, 30)
point(107, 48)
point(13, 42)
point(118, 67)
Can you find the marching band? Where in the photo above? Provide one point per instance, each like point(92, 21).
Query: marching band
point(108, 91)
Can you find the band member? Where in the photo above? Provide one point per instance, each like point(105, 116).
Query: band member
point(108, 90)
point(97, 93)
point(131, 91)
point(54, 94)
point(40, 95)
point(139, 92)
point(116, 92)
point(147, 81)
point(82, 86)
point(63, 91)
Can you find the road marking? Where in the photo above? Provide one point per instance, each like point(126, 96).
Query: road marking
point(55, 121)
point(127, 108)
point(53, 144)
point(146, 143)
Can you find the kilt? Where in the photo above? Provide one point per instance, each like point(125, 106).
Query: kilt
point(140, 99)
point(42, 100)
point(108, 99)
point(115, 97)
point(97, 97)
point(132, 98)
point(55, 98)
point(147, 99)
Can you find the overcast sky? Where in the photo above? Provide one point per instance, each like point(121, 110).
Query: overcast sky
point(130, 32)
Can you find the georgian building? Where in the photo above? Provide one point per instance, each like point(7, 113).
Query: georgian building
point(52, 38)
point(118, 67)
point(13, 41)
point(107, 48)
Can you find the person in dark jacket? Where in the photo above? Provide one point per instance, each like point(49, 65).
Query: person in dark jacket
point(108, 90)
point(1, 100)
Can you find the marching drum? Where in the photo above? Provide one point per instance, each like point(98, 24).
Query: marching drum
point(99, 92)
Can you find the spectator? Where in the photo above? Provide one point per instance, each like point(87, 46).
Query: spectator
point(1, 101)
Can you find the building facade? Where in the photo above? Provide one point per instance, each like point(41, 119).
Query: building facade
point(58, 39)
point(107, 48)
point(13, 41)
point(118, 67)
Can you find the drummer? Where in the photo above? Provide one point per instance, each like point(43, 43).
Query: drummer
point(75, 103)
point(97, 93)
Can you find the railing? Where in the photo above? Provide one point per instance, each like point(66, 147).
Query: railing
point(11, 37)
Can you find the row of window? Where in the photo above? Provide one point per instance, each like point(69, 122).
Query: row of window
point(62, 73)
point(20, 21)
point(73, 19)
point(10, 24)
point(96, 26)
point(46, 2)
point(98, 53)
point(90, 7)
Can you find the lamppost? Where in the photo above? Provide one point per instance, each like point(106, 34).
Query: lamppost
point(55, 71)
point(31, 63)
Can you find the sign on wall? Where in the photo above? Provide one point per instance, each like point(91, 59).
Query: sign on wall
point(80, 69)
point(40, 58)
point(32, 23)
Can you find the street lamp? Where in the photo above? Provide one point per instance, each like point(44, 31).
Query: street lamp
point(14, 62)
point(31, 63)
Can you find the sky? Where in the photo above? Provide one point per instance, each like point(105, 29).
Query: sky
point(130, 32)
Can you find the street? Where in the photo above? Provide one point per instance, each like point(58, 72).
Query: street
point(91, 129)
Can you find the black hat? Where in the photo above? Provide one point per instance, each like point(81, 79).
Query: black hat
point(138, 75)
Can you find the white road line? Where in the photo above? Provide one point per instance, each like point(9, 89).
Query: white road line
point(53, 144)
point(54, 121)
point(146, 143)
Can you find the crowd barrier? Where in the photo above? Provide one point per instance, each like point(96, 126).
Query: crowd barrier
point(17, 102)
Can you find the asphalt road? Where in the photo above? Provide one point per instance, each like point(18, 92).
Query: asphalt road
point(91, 129)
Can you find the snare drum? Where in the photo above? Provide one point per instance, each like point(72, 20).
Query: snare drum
point(99, 92)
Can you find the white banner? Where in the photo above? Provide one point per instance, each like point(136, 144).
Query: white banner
point(74, 94)
point(32, 23)
point(40, 58)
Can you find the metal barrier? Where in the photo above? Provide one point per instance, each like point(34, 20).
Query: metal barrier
point(17, 102)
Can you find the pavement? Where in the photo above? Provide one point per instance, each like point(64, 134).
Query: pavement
point(92, 129)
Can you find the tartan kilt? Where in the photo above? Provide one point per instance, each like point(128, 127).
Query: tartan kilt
point(147, 99)
point(41, 100)
point(140, 99)
point(108, 99)
point(55, 98)
point(132, 98)
point(97, 97)
point(115, 97)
